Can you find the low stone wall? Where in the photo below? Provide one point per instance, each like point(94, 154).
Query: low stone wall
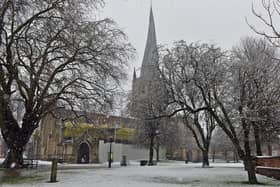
point(268, 166)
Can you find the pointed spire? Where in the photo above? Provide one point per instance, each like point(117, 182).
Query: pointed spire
point(134, 80)
point(150, 55)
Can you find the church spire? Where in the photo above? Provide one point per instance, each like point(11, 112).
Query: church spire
point(134, 80)
point(150, 55)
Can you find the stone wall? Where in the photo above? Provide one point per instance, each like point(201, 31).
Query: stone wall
point(50, 137)
point(52, 143)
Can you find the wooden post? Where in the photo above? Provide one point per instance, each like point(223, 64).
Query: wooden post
point(53, 171)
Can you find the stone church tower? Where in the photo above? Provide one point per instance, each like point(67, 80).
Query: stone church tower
point(148, 90)
point(149, 95)
point(150, 98)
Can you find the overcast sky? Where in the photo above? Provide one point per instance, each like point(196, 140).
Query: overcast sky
point(221, 22)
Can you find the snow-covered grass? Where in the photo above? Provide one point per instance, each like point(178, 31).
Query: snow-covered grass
point(169, 174)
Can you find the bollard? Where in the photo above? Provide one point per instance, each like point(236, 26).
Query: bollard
point(53, 171)
point(110, 153)
point(124, 161)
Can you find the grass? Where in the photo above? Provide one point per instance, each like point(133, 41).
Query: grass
point(20, 177)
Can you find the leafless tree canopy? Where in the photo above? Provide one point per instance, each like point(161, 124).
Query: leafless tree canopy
point(186, 69)
point(237, 90)
point(268, 16)
point(52, 56)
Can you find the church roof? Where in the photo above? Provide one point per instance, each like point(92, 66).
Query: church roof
point(150, 55)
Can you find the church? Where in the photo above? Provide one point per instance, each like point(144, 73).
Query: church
point(148, 89)
point(150, 99)
point(150, 67)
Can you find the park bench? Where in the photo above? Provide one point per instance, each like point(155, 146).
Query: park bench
point(146, 162)
point(143, 162)
point(268, 166)
point(30, 163)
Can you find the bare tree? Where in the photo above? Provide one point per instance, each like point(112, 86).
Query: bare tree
point(169, 135)
point(148, 102)
point(268, 18)
point(222, 86)
point(178, 65)
point(202, 128)
point(146, 135)
point(221, 146)
point(269, 30)
point(258, 69)
point(165, 134)
point(52, 57)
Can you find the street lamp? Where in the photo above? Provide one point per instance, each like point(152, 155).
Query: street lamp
point(116, 126)
point(110, 152)
point(157, 146)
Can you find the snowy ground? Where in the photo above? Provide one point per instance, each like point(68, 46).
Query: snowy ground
point(172, 174)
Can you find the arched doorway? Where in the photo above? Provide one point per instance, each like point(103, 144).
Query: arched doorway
point(83, 153)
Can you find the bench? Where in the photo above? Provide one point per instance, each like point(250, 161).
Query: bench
point(143, 162)
point(268, 166)
point(30, 163)
point(146, 162)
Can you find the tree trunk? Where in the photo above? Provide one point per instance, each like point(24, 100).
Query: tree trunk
point(213, 155)
point(257, 139)
point(15, 136)
point(157, 150)
point(5, 149)
point(151, 153)
point(14, 158)
point(225, 154)
point(205, 160)
point(269, 149)
point(236, 156)
point(249, 164)
point(16, 140)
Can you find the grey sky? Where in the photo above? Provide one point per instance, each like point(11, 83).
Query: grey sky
point(221, 22)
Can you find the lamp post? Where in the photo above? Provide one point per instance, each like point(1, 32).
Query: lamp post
point(116, 126)
point(110, 152)
point(157, 146)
